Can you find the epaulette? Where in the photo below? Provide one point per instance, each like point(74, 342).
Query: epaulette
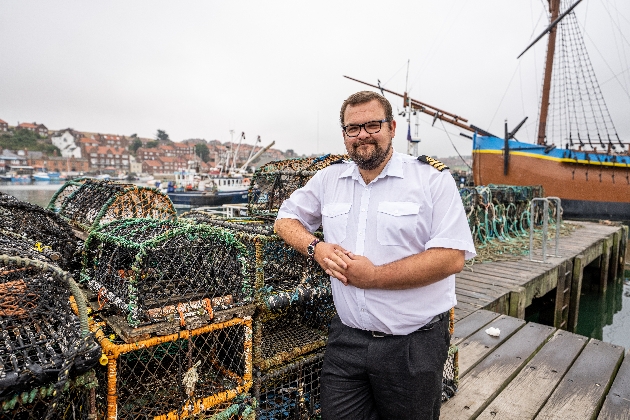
point(433, 162)
point(340, 160)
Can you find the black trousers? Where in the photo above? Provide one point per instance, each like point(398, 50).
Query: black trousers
point(381, 378)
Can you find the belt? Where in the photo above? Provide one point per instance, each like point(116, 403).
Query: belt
point(435, 319)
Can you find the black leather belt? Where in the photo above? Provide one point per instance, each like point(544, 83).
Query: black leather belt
point(435, 319)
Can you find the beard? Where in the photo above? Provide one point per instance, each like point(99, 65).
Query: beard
point(372, 160)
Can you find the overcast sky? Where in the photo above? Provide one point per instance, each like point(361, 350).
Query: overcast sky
point(198, 69)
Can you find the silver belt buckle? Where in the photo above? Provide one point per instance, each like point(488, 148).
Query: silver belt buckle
point(378, 334)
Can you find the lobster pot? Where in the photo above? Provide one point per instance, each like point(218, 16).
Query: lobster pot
point(283, 276)
point(75, 401)
point(280, 337)
point(290, 391)
point(61, 195)
point(49, 232)
point(95, 203)
point(197, 371)
point(151, 271)
point(275, 182)
point(44, 344)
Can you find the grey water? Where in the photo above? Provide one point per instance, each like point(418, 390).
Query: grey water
point(603, 316)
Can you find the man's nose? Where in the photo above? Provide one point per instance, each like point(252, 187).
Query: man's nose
point(363, 133)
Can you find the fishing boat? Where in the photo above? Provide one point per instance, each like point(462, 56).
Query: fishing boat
point(196, 190)
point(192, 189)
point(578, 155)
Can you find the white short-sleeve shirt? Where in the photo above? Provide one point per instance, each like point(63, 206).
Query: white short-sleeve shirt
point(409, 208)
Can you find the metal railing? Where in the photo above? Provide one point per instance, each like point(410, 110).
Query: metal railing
point(545, 201)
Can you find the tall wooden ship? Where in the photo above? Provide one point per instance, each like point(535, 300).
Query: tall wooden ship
point(578, 155)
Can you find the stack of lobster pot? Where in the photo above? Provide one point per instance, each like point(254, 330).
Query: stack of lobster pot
point(172, 306)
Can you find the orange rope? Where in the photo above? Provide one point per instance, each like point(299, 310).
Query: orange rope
point(208, 304)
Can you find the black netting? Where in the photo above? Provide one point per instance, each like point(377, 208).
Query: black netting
point(76, 401)
point(289, 392)
point(60, 197)
point(43, 342)
point(274, 182)
point(49, 233)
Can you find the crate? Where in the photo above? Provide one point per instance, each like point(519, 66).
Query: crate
point(291, 391)
point(274, 182)
point(46, 229)
point(44, 343)
point(96, 202)
point(151, 271)
point(192, 372)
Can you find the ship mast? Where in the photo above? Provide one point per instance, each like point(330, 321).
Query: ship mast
point(554, 9)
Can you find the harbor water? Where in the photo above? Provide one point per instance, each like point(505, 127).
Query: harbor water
point(604, 316)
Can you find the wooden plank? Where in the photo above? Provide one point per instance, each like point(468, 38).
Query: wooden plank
point(581, 392)
point(473, 349)
point(617, 404)
point(529, 390)
point(491, 375)
point(471, 324)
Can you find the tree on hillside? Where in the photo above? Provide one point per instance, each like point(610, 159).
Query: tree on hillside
point(162, 135)
point(135, 145)
point(201, 150)
point(26, 139)
point(152, 144)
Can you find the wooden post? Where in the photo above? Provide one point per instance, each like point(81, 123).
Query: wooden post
point(603, 267)
point(576, 289)
point(518, 299)
point(623, 244)
point(614, 256)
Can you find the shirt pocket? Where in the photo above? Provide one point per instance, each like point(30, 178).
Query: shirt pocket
point(335, 220)
point(396, 222)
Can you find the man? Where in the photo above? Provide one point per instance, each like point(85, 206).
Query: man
point(395, 234)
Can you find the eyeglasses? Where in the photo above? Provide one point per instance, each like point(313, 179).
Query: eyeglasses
point(371, 127)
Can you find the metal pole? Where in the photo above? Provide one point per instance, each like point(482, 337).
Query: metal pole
point(558, 221)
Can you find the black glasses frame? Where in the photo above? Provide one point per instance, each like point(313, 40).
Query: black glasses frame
point(363, 126)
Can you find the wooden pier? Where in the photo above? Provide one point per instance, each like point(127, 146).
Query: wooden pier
point(533, 370)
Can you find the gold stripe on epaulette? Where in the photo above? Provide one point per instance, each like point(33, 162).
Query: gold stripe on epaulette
point(433, 162)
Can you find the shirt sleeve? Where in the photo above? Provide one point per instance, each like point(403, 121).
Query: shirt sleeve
point(304, 204)
point(449, 228)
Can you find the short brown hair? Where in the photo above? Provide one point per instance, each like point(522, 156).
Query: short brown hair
point(364, 97)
